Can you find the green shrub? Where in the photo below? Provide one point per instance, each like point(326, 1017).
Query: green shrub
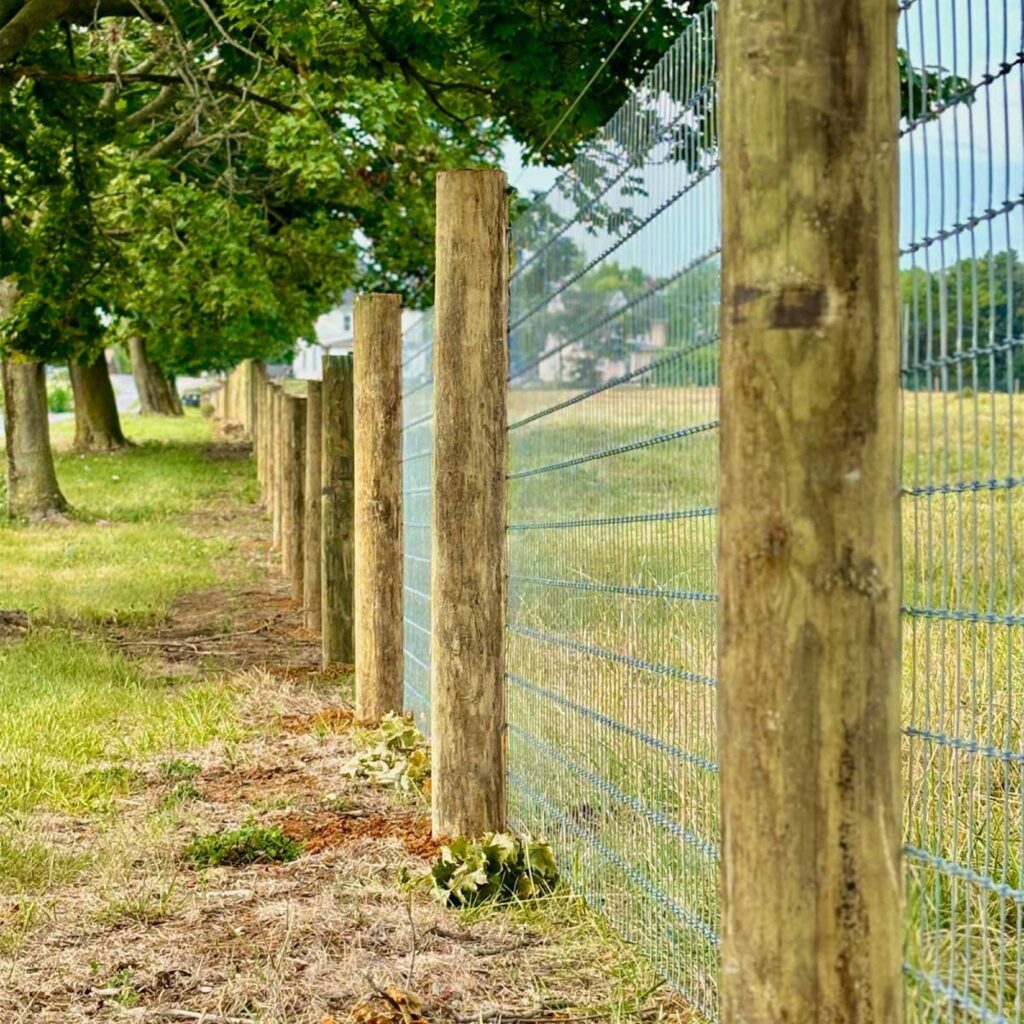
point(59, 398)
point(250, 844)
point(499, 867)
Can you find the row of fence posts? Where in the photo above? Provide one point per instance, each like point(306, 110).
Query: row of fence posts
point(809, 570)
point(329, 463)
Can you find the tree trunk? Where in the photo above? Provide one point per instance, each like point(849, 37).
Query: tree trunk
point(157, 396)
point(32, 488)
point(97, 424)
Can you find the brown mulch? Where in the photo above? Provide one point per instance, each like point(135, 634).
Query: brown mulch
point(327, 829)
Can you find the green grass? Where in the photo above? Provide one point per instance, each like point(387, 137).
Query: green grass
point(961, 679)
point(73, 713)
point(76, 716)
point(140, 536)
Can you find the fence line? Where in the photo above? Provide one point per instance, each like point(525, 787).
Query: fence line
point(613, 437)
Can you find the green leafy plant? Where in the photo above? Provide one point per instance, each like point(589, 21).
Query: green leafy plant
point(394, 754)
point(250, 844)
point(499, 867)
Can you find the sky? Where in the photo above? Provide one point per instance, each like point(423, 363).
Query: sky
point(969, 160)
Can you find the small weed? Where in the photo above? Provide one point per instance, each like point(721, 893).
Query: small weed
point(177, 769)
point(124, 983)
point(250, 844)
point(148, 902)
point(180, 793)
point(497, 868)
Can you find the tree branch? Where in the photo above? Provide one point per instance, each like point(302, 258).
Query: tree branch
point(91, 78)
point(25, 20)
point(407, 67)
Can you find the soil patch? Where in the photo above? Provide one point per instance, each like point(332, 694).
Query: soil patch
point(327, 830)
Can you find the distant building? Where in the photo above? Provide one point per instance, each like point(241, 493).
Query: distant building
point(334, 337)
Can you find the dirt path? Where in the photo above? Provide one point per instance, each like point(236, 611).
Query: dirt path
point(137, 935)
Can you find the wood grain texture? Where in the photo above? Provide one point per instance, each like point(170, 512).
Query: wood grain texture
point(337, 513)
point(378, 505)
point(293, 487)
point(312, 492)
point(467, 658)
point(809, 560)
point(276, 471)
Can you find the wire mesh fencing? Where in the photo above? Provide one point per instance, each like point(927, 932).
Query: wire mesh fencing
point(417, 451)
point(612, 484)
point(962, 305)
point(613, 418)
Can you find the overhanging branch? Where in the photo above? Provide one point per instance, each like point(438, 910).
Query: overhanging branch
point(90, 78)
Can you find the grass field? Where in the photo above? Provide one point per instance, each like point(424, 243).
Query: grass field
point(73, 709)
point(612, 661)
point(156, 683)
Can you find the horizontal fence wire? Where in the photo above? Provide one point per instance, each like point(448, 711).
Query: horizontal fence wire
point(613, 422)
point(417, 450)
point(613, 434)
point(962, 308)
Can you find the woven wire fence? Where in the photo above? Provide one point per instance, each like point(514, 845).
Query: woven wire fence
point(962, 303)
point(613, 409)
point(417, 452)
point(612, 490)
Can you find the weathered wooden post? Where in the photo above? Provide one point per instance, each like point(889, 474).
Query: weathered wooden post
point(377, 350)
point(337, 513)
point(277, 473)
point(311, 520)
point(809, 561)
point(467, 599)
point(293, 506)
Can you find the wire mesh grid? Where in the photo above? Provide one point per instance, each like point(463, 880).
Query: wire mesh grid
point(417, 453)
point(962, 304)
point(612, 488)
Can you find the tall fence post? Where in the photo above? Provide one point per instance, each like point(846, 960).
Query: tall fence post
point(377, 351)
point(467, 657)
point(337, 513)
point(809, 562)
point(293, 508)
point(277, 467)
point(311, 520)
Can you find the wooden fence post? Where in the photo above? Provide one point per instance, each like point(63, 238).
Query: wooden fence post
point(467, 594)
point(277, 471)
point(293, 505)
point(378, 505)
point(809, 561)
point(311, 521)
point(337, 513)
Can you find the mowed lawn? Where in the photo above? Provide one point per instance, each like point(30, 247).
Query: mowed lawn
point(72, 708)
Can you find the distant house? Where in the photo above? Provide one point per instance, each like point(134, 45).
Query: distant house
point(334, 337)
point(604, 355)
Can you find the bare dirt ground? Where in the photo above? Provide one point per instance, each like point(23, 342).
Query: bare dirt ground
point(137, 935)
